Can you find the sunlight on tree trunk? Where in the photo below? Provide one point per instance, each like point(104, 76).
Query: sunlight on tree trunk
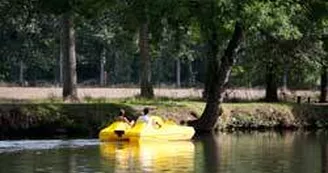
point(285, 78)
point(69, 88)
point(146, 85)
point(191, 76)
point(178, 72)
point(102, 67)
point(61, 57)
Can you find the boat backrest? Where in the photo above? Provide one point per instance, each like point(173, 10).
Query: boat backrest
point(154, 122)
point(119, 125)
point(170, 122)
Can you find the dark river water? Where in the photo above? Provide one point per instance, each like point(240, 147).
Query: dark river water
point(256, 152)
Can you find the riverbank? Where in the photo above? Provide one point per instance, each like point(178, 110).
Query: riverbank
point(48, 120)
point(278, 116)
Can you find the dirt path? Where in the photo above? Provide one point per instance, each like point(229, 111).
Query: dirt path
point(41, 93)
point(55, 92)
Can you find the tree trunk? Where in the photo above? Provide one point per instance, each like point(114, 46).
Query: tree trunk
point(178, 74)
point(217, 78)
point(61, 71)
point(102, 67)
point(285, 78)
point(21, 73)
point(191, 74)
point(60, 59)
point(323, 85)
point(146, 85)
point(69, 59)
point(159, 71)
point(271, 92)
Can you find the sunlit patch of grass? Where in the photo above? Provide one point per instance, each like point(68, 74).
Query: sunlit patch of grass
point(254, 105)
point(96, 100)
point(158, 101)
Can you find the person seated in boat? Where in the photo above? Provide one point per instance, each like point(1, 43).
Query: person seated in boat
point(146, 118)
point(121, 117)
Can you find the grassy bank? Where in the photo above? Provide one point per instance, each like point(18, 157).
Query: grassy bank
point(51, 120)
point(274, 115)
point(55, 119)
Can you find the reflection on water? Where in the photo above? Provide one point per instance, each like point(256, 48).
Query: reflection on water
point(149, 156)
point(18, 145)
point(269, 152)
point(298, 152)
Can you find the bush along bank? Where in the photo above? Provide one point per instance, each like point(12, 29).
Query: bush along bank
point(19, 121)
point(280, 116)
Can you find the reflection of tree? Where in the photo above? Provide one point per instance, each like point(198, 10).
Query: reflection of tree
point(324, 155)
point(255, 152)
point(324, 159)
point(306, 156)
point(211, 153)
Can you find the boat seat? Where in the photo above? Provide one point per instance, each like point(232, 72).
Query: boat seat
point(119, 133)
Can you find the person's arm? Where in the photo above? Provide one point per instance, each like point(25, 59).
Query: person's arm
point(126, 120)
point(132, 122)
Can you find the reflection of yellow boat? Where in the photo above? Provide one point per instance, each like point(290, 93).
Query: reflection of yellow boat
point(158, 129)
point(150, 156)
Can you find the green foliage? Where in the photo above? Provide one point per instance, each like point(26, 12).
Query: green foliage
point(288, 34)
point(275, 17)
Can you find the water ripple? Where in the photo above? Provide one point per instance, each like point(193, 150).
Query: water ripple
point(17, 145)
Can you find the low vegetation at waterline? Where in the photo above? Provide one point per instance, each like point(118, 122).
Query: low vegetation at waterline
point(43, 120)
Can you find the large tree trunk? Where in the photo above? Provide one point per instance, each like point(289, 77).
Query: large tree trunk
point(217, 78)
point(271, 92)
point(146, 85)
point(69, 59)
point(323, 85)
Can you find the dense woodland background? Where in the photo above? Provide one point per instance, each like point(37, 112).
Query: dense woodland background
point(286, 38)
point(182, 43)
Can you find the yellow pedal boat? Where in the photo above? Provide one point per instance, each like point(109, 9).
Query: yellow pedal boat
point(157, 129)
point(115, 132)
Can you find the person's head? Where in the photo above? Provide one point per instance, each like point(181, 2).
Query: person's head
point(145, 111)
point(122, 112)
